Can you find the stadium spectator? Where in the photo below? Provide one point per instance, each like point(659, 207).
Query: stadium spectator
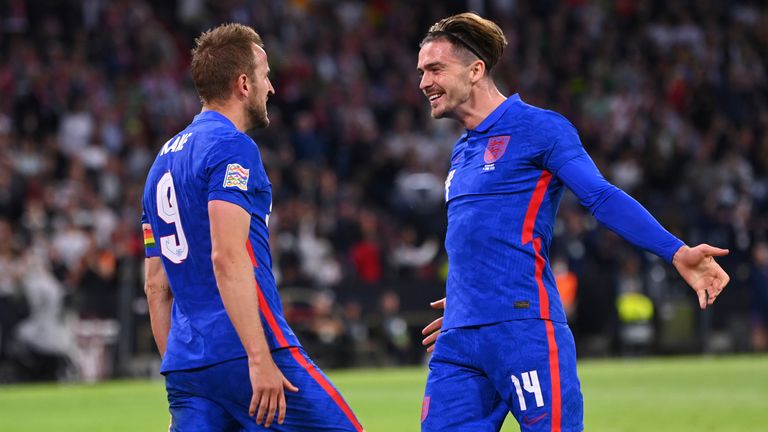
point(398, 344)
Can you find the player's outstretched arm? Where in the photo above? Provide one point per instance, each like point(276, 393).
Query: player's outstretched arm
point(698, 267)
point(232, 266)
point(628, 218)
point(432, 330)
point(159, 297)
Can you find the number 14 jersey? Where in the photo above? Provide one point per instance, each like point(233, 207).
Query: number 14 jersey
point(209, 160)
point(502, 191)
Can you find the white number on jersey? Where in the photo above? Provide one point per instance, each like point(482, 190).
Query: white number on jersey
point(531, 385)
point(174, 246)
point(448, 183)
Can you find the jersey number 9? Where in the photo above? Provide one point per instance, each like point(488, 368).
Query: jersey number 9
point(174, 246)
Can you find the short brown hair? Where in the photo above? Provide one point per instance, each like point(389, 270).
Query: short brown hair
point(472, 33)
point(220, 55)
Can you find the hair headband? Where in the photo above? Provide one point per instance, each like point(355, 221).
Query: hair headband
point(466, 44)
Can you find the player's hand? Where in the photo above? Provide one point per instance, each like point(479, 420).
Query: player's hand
point(269, 387)
point(432, 330)
point(698, 267)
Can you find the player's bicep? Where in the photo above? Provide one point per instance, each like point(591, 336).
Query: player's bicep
point(230, 224)
point(582, 177)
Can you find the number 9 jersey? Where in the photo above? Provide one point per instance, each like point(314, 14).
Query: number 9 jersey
point(209, 160)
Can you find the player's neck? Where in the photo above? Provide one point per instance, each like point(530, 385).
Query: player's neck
point(483, 100)
point(233, 113)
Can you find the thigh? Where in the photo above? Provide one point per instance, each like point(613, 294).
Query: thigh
point(458, 396)
point(533, 366)
point(191, 411)
point(317, 406)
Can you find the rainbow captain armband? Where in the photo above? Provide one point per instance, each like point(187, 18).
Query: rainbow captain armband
point(150, 246)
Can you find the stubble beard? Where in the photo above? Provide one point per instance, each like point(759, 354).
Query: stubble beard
point(257, 114)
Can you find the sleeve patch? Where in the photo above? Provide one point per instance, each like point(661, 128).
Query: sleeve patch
point(151, 248)
point(149, 238)
point(236, 176)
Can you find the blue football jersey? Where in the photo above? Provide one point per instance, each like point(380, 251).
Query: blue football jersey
point(209, 160)
point(502, 192)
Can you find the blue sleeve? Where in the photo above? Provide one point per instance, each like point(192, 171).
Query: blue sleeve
point(235, 172)
point(615, 209)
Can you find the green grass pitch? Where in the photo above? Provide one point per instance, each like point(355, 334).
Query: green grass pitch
point(672, 394)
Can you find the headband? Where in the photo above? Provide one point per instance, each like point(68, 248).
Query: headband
point(463, 42)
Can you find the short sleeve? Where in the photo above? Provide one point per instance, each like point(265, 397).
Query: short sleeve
point(563, 143)
point(234, 171)
point(151, 248)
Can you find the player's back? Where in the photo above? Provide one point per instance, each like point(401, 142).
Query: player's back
point(178, 188)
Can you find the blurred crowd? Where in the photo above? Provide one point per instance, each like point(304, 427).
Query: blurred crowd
point(670, 99)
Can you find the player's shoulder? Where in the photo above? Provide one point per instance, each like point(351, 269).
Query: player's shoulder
point(215, 127)
point(542, 126)
point(542, 117)
point(222, 141)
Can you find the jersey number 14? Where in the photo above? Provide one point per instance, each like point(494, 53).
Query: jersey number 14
point(530, 385)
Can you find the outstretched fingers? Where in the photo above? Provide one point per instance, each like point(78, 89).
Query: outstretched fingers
point(438, 304)
point(432, 331)
point(431, 327)
point(713, 251)
point(429, 340)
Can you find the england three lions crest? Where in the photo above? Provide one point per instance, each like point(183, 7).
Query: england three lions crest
point(495, 148)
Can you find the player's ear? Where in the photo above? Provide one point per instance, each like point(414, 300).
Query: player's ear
point(242, 85)
point(476, 71)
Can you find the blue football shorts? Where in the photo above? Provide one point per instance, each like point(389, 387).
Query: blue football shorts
point(217, 397)
point(480, 374)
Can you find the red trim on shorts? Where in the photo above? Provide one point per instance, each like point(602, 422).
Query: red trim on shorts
point(554, 373)
point(283, 343)
point(534, 205)
point(327, 386)
point(554, 359)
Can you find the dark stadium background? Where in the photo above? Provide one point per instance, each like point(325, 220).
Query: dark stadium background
point(670, 99)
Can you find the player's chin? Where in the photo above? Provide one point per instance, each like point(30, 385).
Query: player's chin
point(260, 122)
point(437, 113)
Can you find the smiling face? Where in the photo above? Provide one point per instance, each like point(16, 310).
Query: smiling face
point(445, 78)
point(261, 90)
